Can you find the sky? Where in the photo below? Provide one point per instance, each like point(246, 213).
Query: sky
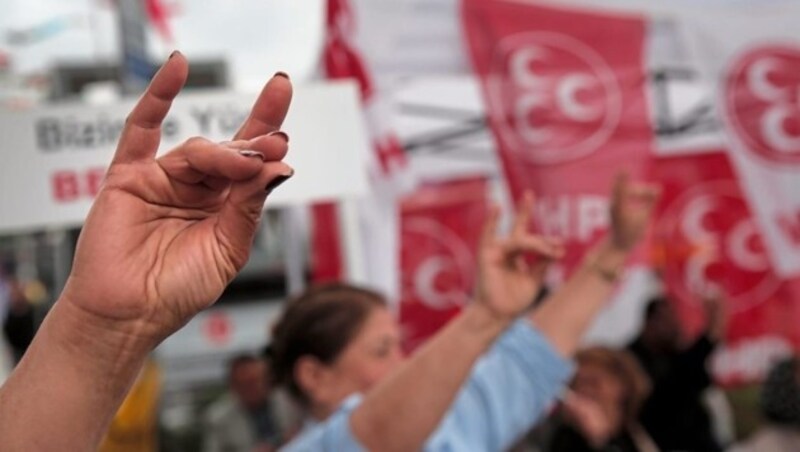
point(256, 37)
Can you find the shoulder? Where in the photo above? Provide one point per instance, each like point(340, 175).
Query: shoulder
point(333, 434)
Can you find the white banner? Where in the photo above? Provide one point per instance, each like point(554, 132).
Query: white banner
point(54, 158)
point(753, 64)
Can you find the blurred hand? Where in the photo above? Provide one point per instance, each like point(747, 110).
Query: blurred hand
point(632, 206)
point(508, 283)
point(165, 236)
point(594, 423)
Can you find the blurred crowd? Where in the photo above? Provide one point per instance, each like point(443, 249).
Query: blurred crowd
point(337, 340)
point(509, 371)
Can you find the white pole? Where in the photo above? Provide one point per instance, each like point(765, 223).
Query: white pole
point(352, 242)
point(293, 256)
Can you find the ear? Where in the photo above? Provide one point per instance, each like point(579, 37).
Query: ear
point(312, 377)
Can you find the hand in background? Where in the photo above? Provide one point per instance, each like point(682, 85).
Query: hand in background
point(508, 283)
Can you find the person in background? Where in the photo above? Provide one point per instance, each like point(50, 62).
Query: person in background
point(600, 412)
point(674, 414)
point(6, 355)
point(480, 382)
point(135, 426)
point(780, 407)
point(245, 418)
point(166, 235)
point(20, 322)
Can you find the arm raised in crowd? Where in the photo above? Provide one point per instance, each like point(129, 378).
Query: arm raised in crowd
point(402, 412)
point(163, 239)
point(566, 315)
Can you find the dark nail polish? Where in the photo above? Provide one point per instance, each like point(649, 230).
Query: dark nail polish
point(282, 74)
point(252, 154)
point(279, 133)
point(275, 183)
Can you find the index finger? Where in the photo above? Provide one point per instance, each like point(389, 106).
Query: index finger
point(524, 210)
point(142, 132)
point(269, 110)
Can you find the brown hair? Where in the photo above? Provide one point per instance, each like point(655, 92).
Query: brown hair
point(627, 370)
point(319, 323)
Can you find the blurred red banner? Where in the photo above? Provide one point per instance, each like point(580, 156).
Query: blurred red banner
point(706, 236)
point(440, 228)
point(565, 93)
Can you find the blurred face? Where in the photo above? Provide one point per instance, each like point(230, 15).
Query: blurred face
point(596, 383)
point(249, 383)
point(665, 328)
point(372, 354)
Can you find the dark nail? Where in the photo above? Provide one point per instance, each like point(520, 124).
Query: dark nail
point(252, 154)
point(279, 133)
point(282, 74)
point(175, 52)
point(275, 183)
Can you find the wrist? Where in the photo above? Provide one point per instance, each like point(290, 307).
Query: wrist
point(607, 260)
point(481, 323)
point(105, 344)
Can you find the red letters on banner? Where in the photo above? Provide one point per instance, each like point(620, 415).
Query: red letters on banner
point(74, 185)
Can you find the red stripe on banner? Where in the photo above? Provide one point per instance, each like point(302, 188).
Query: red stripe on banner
point(343, 60)
point(565, 92)
point(327, 262)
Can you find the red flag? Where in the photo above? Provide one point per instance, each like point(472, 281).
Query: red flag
point(158, 15)
point(706, 235)
point(440, 228)
point(565, 93)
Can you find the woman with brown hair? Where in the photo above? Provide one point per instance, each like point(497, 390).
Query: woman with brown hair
point(600, 411)
point(338, 342)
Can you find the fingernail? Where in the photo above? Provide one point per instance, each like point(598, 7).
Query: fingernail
point(279, 133)
point(174, 52)
point(275, 183)
point(281, 74)
point(252, 154)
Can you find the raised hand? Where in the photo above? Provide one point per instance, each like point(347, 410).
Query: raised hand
point(508, 282)
point(165, 236)
point(597, 425)
point(632, 206)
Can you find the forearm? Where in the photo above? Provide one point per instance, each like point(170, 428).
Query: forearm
point(403, 411)
point(568, 313)
point(65, 391)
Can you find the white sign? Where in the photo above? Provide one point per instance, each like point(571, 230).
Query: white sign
point(52, 159)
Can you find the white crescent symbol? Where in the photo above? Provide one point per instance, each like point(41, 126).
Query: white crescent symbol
point(521, 70)
point(529, 132)
point(758, 79)
point(775, 133)
point(743, 256)
point(536, 88)
point(692, 228)
point(424, 284)
point(567, 98)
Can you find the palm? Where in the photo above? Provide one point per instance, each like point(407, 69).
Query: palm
point(508, 283)
point(166, 236)
point(511, 287)
point(631, 209)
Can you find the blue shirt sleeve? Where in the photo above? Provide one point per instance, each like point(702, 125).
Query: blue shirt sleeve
point(510, 389)
point(333, 435)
